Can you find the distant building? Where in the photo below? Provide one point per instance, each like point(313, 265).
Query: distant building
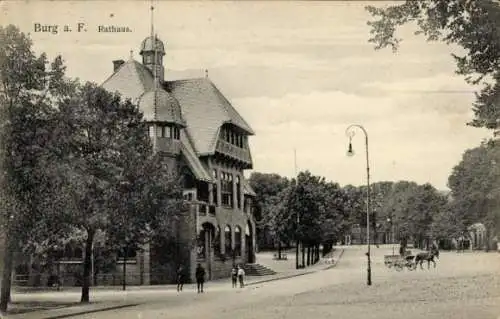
point(477, 236)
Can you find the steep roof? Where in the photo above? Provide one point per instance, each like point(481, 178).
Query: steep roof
point(247, 189)
point(159, 105)
point(205, 109)
point(131, 79)
point(193, 161)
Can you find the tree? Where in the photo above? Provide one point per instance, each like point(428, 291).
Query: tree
point(355, 204)
point(475, 185)
point(104, 143)
point(307, 206)
point(29, 85)
point(144, 202)
point(335, 216)
point(269, 190)
point(472, 25)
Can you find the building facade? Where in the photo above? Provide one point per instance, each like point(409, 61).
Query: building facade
point(200, 136)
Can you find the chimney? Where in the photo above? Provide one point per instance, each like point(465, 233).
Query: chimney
point(117, 64)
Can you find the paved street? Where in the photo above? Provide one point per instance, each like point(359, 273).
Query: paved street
point(462, 286)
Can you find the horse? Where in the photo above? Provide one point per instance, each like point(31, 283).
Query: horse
point(426, 256)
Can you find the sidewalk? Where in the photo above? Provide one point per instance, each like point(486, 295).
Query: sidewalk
point(63, 304)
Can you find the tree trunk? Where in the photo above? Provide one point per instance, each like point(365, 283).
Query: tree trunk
point(279, 249)
point(59, 274)
point(124, 287)
point(87, 263)
point(308, 255)
point(303, 256)
point(296, 254)
point(8, 261)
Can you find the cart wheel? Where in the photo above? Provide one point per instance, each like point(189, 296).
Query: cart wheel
point(410, 267)
point(398, 267)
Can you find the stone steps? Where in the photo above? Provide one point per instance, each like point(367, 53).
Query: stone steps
point(258, 270)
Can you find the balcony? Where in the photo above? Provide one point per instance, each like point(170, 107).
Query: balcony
point(167, 145)
point(240, 154)
point(211, 210)
point(202, 209)
point(205, 209)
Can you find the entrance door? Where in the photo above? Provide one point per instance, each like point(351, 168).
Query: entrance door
point(249, 244)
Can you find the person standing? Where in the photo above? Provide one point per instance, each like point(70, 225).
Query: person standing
point(241, 276)
point(180, 278)
point(200, 277)
point(234, 276)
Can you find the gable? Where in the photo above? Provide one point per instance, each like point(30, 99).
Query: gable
point(131, 80)
point(205, 110)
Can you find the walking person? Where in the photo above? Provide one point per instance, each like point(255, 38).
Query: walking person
point(234, 276)
point(180, 278)
point(200, 277)
point(241, 276)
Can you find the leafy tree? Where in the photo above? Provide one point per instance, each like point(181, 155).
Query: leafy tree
point(335, 217)
point(29, 85)
point(472, 25)
point(269, 190)
point(475, 185)
point(104, 143)
point(355, 204)
point(308, 206)
point(143, 203)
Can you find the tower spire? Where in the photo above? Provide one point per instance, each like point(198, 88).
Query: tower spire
point(155, 68)
point(152, 18)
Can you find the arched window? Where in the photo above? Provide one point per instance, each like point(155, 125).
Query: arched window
point(227, 238)
point(216, 242)
point(238, 191)
point(200, 244)
point(227, 189)
point(237, 241)
point(214, 189)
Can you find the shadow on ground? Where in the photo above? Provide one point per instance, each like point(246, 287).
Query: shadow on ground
point(22, 307)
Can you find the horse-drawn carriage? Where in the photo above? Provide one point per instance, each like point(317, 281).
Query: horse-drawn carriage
point(400, 262)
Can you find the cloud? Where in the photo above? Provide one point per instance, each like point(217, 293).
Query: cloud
point(407, 141)
point(436, 83)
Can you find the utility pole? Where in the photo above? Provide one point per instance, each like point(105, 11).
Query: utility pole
point(298, 216)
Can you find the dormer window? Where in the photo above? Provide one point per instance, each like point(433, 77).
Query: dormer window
point(232, 137)
point(176, 133)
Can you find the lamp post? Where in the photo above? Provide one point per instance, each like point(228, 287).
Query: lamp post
point(391, 235)
point(125, 187)
point(350, 134)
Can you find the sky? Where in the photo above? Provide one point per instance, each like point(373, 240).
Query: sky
point(299, 72)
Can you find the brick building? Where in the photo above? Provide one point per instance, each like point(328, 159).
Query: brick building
point(201, 136)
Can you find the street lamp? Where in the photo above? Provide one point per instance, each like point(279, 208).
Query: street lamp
point(391, 235)
point(350, 134)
